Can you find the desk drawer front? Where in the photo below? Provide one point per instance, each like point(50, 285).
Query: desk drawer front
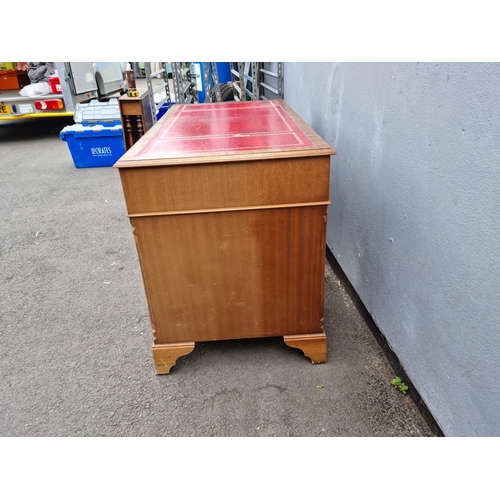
point(150, 190)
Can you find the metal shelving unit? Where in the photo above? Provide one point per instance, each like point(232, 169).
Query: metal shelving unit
point(276, 77)
point(257, 79)
point(211, 81)
point(184, 87)
point(236, 69)
point(164, 87)
point(250, 80)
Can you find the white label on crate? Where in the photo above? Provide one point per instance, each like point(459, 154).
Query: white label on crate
point(105, 151)
point(25, 108)
point(58, 88)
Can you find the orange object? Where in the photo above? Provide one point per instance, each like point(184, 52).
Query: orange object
point(49, 104)
point(13, 79)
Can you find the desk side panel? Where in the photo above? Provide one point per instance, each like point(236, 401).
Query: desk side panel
point(229, 275)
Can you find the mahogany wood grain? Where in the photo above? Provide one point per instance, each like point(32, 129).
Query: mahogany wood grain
point(231, 275)
point(252, 183)
point(135, 113)
point(313, 346)
point(165, 356)
point(231, 241)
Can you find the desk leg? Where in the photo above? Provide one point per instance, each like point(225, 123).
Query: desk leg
point(312, 345)
point(165, 355)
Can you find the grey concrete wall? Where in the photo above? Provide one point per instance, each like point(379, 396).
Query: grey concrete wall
point(415, 217)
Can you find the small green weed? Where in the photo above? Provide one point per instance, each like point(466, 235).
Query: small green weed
point(397, 382)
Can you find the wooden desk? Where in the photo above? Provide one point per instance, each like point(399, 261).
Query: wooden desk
point(228, 205)
point(136, 117)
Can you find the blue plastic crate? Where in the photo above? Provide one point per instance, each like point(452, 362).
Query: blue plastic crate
point(94, 146)
point(163, 109)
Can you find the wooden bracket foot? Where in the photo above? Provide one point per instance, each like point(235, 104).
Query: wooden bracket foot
point(312, 345)
point(165, 355)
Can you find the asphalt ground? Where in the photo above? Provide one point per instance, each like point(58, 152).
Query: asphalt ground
point(76, 340)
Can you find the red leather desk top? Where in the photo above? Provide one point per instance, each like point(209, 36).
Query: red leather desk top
point(222, 132)
point(224, 128)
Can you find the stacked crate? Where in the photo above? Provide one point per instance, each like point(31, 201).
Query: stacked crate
point(96, 138)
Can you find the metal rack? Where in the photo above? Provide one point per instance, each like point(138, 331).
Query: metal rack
point(184, 87)
point(162, 88)
point(260, 80)
point(211, 81)
point(245, 80)
point(276, 77)
point(236, 69)
point(250, 80)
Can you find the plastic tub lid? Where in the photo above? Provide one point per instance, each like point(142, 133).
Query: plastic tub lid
point(95, 111)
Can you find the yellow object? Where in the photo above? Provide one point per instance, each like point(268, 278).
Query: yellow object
point(34, 115)
point(8, 65)
point(133, 93)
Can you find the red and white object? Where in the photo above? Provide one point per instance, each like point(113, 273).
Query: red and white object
point(55, 84)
